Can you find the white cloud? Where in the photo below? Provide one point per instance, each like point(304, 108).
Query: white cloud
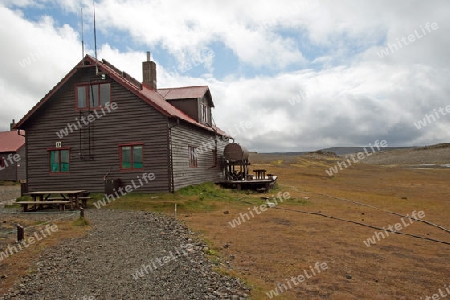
point(184, 30)
point(345, 95)
point(31, 64)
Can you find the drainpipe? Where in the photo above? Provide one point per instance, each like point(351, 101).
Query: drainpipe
point(26, 163)
point(170, 154)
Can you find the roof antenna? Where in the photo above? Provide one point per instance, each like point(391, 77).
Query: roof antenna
point(82, 34)
point(95, 43)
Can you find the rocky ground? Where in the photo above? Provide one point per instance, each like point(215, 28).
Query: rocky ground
point(8, 194)
point(127, 255)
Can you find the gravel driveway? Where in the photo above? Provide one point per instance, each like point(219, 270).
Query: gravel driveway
point(128, 255)
point(9, 193)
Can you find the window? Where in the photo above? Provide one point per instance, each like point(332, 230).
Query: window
point(204, 112)
point(192, 157)
point(131, 157)
point(59, 161)
point(93, 95)
point(214, 154)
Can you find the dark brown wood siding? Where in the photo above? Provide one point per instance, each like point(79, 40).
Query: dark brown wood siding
point(9, 171)
point(22, 164)
point(94, 149)
point(183, 136)
point(193, 107)
point(188, 106)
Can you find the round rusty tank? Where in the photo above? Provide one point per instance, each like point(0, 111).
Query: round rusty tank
point(235, 152)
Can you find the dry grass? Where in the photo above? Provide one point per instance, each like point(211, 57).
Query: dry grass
point(436, 154)
point(278, 244)
point(19, 264)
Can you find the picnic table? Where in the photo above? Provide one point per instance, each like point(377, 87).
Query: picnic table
point(59, 198)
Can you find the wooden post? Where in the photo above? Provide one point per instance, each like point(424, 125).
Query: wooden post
point(20, 233)
point(175, 210)
point(81, 212)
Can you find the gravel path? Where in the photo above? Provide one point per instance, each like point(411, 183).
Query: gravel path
point(104, 264)
point(9, 194)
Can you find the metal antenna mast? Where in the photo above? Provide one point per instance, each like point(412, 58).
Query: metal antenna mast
point(82, 34)
point(95, 42)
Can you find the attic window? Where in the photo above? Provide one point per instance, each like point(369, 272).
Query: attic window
point(93, 95)
point(204, 114)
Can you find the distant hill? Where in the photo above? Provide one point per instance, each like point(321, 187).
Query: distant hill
point(340, 151)
point(283, 153)
point(347, 150)
point(436, 155)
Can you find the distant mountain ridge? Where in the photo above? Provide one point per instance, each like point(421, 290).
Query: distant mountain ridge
point(347, 150)
point(339, 150)
point(430, 156)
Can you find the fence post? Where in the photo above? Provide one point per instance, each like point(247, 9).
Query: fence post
point(20, 233)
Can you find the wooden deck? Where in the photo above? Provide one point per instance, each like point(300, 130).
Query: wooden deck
point(263, 185)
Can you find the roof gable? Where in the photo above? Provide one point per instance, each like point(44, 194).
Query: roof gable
point(150, 96)
point(188, 92)
point(10, 141)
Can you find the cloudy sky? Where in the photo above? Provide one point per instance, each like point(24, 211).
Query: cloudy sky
point(284, 75)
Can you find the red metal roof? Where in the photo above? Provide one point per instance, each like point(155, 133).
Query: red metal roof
point(10, 141)
point(172, 111)
point(144, 92)
point(188, 92)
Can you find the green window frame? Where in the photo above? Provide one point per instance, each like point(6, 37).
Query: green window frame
point(59, 160)
point(131, 156)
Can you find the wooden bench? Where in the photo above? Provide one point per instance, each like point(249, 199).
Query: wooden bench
point(25, 204)
point(84, 201)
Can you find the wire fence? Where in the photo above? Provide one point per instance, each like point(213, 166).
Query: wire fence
point(367, 225)
point(363, 224)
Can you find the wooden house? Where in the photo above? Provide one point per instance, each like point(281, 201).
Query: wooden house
point(12, 156)
point(99, 124)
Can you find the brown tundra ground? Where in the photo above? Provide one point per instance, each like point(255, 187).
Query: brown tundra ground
point(276, 245)
point(283, 242)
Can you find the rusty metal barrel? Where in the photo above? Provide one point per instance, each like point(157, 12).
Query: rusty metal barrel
point(235, 152)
